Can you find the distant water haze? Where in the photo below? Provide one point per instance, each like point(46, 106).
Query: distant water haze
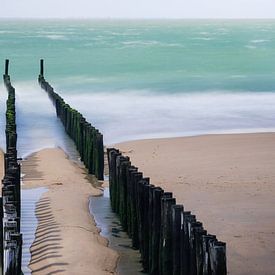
point(142, 79)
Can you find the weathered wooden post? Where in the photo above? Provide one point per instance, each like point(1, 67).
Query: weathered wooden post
point(166, 255)
point(206, 240)
point(123, 193)
point(198, 233)
point(129, 171)
point(143, 189)
point(218, 258)
point(113, 177)
point(192, 263)
point(100, 150)
point(155, 236)
point(185, 244)
point(150, 218)
point(41, 67)
point(177, 212)
point(145, 225)
point(119, 200)
point(11, 239)
point(7, 67)
point(165, 195)
point(136, 176)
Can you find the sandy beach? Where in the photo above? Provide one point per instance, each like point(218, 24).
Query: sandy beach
point(228, 181)
point(67, 240)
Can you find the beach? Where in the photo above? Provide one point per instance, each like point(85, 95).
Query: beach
point(67, 240)
point(227, 181)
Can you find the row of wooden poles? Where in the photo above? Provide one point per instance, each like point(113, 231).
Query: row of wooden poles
point(88, 140)
point(10, 210)
point(171, 241)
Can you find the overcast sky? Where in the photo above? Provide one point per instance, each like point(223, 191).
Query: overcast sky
point(138, 8)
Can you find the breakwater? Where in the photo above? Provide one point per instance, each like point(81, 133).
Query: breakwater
point(11, 238)
point(88, 140)
point(169, 238)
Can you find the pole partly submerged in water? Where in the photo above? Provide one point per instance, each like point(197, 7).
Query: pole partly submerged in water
point(7, 67)
point(41, 68)
point(11, 238)
point(88, 140)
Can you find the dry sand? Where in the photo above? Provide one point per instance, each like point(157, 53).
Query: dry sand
point(67, 240)
point(228, 181)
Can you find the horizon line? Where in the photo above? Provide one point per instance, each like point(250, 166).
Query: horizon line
point(137, 18)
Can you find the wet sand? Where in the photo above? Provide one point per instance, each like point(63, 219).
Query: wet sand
point(66, 240)
point(228, 181)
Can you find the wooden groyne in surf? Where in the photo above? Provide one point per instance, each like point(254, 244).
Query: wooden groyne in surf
point(170, 239)
point(11, 238)
point(88, 140)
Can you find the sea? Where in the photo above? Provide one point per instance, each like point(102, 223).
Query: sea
point(139, 79)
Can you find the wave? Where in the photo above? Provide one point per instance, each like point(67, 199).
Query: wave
point(142, 114)
point(56, 37)
point(128, 33)
point(257, 41)
point(136, 114)
point(149, 43)
point(203, 38)
point(37, 124)
point(250, 47)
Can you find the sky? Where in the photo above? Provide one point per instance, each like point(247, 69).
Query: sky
point(137, 8)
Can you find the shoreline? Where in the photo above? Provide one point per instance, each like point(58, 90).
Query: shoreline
point(214, 133)
point(227, 181)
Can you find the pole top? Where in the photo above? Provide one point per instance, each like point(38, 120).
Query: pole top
point(7, 67)
point(41, 67)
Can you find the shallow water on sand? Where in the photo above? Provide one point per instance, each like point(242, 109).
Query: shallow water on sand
point(108, 222)
point(29, 223)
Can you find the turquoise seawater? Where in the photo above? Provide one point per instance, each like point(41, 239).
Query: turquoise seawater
point(143, 79)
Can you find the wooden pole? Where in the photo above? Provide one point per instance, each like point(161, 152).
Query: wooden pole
point(166, 255)
point(155, 238)
point(7, 67)
point(42, 67)
point(136, 176)
point(199, 232)
point(218, 258)
point(11, 239)
point(192, 260)
point(143, 220)
point(206, 240)
point(185, 244)
point(165, 195)
point(177, 211)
